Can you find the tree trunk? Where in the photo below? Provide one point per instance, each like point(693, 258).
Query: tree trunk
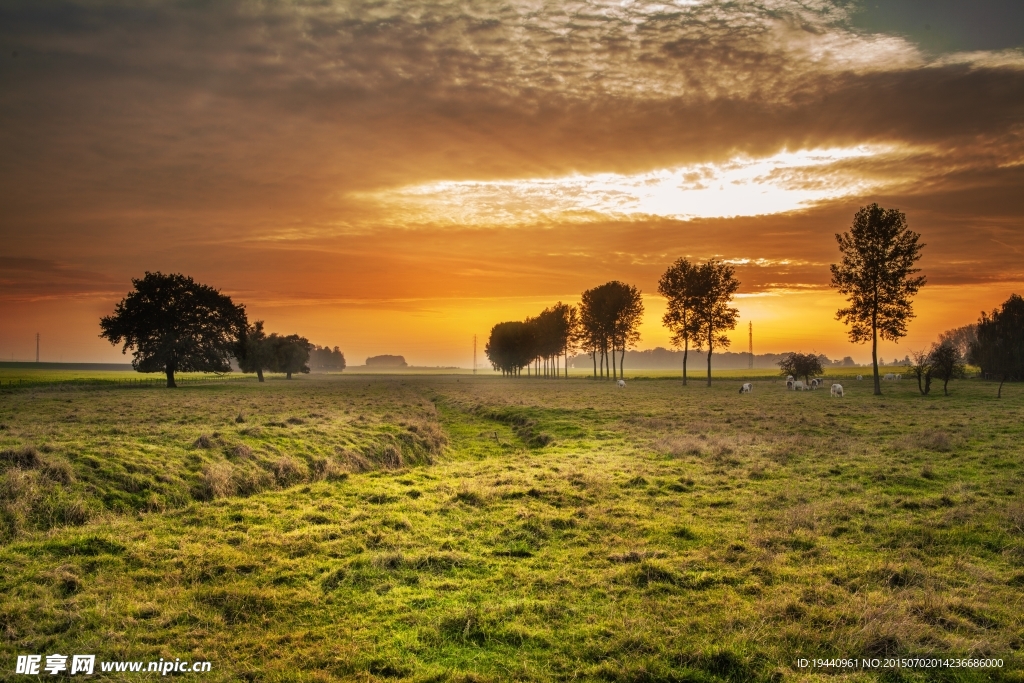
point(1000, 392)
point(259, 373)
point(945, 383)
point(874, 354)
point(686, 349)
point(710, 351)
point(288, 375)
point(622, 357)
point(171, 385)
point(593, 357)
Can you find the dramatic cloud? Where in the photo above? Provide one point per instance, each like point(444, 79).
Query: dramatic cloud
point(372, 155)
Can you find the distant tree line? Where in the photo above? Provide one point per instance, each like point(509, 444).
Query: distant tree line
point(606, 323)
point(535, 344)
point(174, 324)
point(324, 359)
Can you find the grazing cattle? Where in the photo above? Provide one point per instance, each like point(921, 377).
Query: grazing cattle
point(789, 378)
point(746, 388)
point(790, 383)
point(860, 377)
point(621, 384)
point(799, 385)
point(899, 377)
point(837, 390)
point(889, 377)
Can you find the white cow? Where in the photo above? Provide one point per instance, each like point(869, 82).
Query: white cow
point(789, 378)
point(899, 377)
point(746, 388)
point(799, 385)
point(621, 384)
point(889, 377)
point(789, 383)
point(860, 377)
point(837, 390)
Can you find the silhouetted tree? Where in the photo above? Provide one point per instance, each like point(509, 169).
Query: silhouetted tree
point(877, 277)
point(800, 365)
point(574, 337)
point(921, 368)
point(679, 286)
point(627, 314)
point(611, 315)
point(290, 353)
point(961, 338)
point(946, 364)
point(714, 289)
point(175, 324)
point(509, 347)
point(253, 352)
point(326, 359)
point(592, 329)
point(999, 349)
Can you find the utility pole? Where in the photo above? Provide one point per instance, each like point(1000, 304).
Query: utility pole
point(750, 348)
point(474, 354)
point(37, 347)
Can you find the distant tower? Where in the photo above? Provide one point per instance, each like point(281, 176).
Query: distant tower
point(37, 347)
point(750, 348)
point(474, 354)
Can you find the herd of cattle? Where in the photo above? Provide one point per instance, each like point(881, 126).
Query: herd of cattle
point(794, 384)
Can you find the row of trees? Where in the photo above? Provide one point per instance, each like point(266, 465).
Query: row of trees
point(535, 344)
point(257, 352)
point(604, 324)
point(174, 324)
point(698, 312)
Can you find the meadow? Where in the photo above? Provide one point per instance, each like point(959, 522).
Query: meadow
point(456, 528)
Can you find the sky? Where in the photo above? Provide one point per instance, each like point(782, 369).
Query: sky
point(397, 177)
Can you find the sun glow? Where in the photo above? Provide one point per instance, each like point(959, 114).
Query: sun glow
point(742, 186)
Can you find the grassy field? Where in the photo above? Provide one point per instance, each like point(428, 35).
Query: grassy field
point(433, 528)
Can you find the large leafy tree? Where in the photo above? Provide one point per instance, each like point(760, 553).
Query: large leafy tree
point(679, 286)
point(715, 286)
point(946, 363)
point(174, 324)
point(509, 347)
point(611, 315)
point(290, 353)
point(801, 365)
point(253, 352)
point(999, 348)
point(877, 275)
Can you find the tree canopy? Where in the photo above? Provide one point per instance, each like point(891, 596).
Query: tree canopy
point(946, 363)
point(325, 359)
point(715, 285)
point(290, 353)
point(999, 348)
point(174, 324)
point(610, 317)
point(252, 351)
point(801, 365)
point(679, 286)
point(877, 275)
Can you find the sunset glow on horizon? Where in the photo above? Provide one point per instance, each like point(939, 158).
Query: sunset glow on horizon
point(394, 177)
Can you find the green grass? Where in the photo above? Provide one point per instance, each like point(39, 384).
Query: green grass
point(480, 529)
